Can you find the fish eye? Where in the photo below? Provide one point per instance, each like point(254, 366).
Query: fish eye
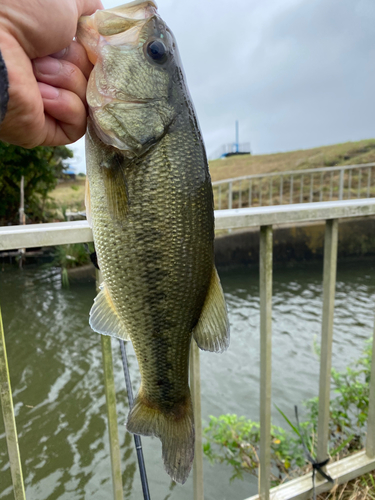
point(157, 51)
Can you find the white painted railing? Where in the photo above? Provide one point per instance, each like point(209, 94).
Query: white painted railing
point(14, 237)
point(296, 186)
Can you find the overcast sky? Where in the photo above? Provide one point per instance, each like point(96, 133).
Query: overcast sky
point(295, 73)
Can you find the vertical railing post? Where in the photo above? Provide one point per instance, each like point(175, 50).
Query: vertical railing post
point(291, 189)
point(350, 184)
point(311, 187)
point(265, 283)
point(230, 195)
point(281, 190)
point(240, 195)
point(359, 182)
point(219, 196)
point(195, 387)
point(370, 440)
point(10, 421)
point(110, 396)
point(329, 285)
point(271, 189)
point(341, 185)
point(250, 193)
point(260, 191)
point(330, 186)
point(301, 192)
point(321, 187)
point(368, 182)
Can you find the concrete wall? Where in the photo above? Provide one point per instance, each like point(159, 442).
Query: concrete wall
point(297, 243)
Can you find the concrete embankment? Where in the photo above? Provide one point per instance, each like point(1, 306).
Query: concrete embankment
point(297, 243)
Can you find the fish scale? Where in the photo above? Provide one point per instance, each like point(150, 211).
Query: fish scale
point(150, 204)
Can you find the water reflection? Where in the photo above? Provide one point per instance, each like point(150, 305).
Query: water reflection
point(56, 373)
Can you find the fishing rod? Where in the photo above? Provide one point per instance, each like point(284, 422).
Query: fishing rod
point(137, 439)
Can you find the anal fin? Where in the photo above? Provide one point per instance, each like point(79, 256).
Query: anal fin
point(212, 330)
point(104, 318)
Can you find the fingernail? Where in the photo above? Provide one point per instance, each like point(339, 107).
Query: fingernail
point(60, 54)
point(48, 65)
point(48, 92)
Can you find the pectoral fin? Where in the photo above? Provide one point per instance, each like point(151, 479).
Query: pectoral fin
point(212, 330)
point(116, 191)
point(104, 318)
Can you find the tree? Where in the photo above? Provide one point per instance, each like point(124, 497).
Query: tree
point(41, 168)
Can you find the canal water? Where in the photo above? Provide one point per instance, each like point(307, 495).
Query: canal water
point(57, 379)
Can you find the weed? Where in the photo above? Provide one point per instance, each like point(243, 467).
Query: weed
point(235, 440)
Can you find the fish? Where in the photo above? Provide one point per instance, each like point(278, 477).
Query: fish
point(149, 202)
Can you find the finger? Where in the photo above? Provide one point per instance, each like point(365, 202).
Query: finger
point(77, 55)
point(61, 74)
point(88, 7)
point(66, 117)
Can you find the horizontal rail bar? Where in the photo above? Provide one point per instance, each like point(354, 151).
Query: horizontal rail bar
point(341, 471)
point(62, 233)
point(294, 172)
point(44, 235)
point(286, 214)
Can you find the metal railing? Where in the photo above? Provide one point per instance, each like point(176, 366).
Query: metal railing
point(296, 186)
point(301, 488)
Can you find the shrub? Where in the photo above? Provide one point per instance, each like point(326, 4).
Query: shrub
point(235, 440)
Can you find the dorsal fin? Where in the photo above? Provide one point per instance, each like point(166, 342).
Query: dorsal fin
point(104, 318)
point(212, 330)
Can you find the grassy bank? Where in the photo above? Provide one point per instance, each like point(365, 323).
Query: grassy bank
point(68, 195)
point(348, 153)
point(71, 194)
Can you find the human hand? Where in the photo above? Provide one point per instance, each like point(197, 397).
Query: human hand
point(47, 71)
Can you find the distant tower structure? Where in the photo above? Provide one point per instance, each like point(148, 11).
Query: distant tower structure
point(237, 144)
point(234, 148)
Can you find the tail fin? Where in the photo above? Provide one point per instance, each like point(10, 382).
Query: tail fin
point(176, 432)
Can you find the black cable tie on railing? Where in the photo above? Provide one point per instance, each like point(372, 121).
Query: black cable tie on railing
point(316, 466)
point(137, 439)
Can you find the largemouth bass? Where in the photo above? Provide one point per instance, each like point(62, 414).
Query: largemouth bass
point(149, 201)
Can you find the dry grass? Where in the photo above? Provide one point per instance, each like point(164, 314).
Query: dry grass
point(362, 488)
point(338, 154)
point(69, 195)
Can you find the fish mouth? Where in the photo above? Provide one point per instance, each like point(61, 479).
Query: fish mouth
point(122, 24)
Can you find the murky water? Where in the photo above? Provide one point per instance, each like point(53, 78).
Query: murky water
point(57, 380)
